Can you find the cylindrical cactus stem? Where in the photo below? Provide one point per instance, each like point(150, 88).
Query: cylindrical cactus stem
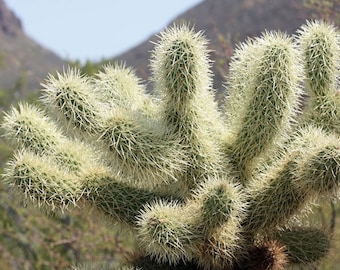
point(167, 233)
point(117, 199)
point(274, 198)
point(310, 169)
point(238, 83)
point(216, 208)
point(207, 228)
point(141, 150)
point(119, 87)
point(222, 248)
point(180, 68)
point(181, 73)
point(217, 201)
point(138, 146)
point(268, 99)
point(304, 245)
point(73, 99)
point(323, 173)
point(28, 127)
point(318, 170)
point(320, 46)
point(220, 208)
point(42, 181)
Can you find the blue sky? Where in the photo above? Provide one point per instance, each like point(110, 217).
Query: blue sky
point(86, 29)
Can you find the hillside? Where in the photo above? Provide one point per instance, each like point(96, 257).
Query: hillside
point(226, 22)
point(23, 61)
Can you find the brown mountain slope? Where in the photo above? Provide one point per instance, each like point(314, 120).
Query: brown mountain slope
point(23, 61)
point(225, 22)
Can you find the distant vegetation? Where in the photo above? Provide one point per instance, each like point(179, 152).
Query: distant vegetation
point(89, 67)
point(329, 10)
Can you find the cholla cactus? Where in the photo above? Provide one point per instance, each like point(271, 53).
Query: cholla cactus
point(201, 188)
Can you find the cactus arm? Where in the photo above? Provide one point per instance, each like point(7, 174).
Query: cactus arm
point(166, 233)
point(71, 97)
point(119, 200)
point(172, 232)
point(237, 84)
point(217, 201)
point(269, 102)
point(142, 150)
point(320, 45)
point(30, 128)
point(118, 87)
point(135, 147)
point(319, 172)
point(304, 245)
point(221, 206)
point(181, 74)
point(42, 182)
point(311, 171)
point(274, 198)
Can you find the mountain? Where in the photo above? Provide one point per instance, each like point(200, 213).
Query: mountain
point(226, 22)
point(23, 62)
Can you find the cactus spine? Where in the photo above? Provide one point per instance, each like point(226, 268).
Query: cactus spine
point(201, 188)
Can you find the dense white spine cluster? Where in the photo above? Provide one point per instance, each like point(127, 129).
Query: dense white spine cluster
point(200, 188)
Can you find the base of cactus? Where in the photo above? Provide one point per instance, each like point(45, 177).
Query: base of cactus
point(139, 261)
point(268, 255)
